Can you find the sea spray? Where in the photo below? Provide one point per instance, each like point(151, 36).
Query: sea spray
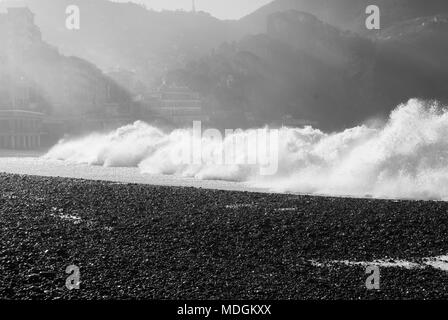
point(407, 157)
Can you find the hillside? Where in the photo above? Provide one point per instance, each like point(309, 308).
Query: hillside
point(308, 70)
point(35, 76)
point(412, 60)
point(309, 61)
point(347, 14)
point(127, 36)
point(302, 68)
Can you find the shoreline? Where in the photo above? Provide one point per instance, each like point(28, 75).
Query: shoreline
point(212, 188)
point(39, 167)
point(134, 241)
point(5, 153)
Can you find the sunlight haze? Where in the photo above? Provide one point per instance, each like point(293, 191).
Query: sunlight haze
point(223, 9)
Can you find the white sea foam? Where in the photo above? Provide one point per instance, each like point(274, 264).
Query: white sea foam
point(407, 157)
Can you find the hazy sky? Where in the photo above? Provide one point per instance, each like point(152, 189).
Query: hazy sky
point(223, 9)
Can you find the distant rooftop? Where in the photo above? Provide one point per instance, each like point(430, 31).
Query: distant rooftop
point(5, 5)
point(18, 113)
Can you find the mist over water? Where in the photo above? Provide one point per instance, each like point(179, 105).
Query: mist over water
point(407, 157)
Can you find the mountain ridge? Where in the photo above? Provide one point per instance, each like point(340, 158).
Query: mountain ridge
point(347, 14)
point(297, 65)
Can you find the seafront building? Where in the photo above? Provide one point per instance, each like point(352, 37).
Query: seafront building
point(20, 129)
point(179, 104)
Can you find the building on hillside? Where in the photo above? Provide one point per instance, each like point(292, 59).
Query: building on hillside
point(74, 95)
point(83, 88)
point(179, 104)
point(20, 31)
point(126, 79)
point(18, 34)
point(20, 129)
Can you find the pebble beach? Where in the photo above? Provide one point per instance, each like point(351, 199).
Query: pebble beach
point(134, 241)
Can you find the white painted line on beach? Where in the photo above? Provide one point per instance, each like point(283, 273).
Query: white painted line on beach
point(59, 213)
point(439, 262)
point(250, 205)
point(8, 195)
point(285, 209)
point(240, 205)
point(381, 263)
